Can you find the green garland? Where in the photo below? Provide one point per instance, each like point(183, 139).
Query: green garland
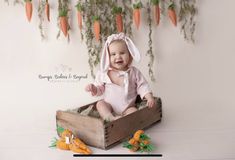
point(41, 10)
point(100, 8)
point(150, 50)
point(187, 15)
point(127, 17)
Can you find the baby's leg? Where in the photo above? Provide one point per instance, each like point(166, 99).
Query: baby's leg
point(105, 110)
point(130, 110)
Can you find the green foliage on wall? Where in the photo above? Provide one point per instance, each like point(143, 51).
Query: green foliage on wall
point(104, 11)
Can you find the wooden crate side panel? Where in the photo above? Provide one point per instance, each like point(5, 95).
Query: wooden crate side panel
point(90, 130)
point(124, 127)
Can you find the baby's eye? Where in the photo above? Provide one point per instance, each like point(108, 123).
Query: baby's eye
point(122, 53)
point(112, 54)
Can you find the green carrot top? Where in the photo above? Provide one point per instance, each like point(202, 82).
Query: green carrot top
point(138, 5)
point(171, 6)
point(79, 6)
point(95, 18)
point(117, 10)
point(155, 2)
point(63, 12)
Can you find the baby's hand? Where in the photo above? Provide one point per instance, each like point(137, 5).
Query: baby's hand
point(150, 100)
point(91, 88)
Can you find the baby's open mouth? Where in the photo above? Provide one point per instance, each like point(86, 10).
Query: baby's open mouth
point(119, 62)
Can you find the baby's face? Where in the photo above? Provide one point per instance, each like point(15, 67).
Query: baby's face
point(119, 55)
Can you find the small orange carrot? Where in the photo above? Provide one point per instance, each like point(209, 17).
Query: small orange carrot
point(137, 135)
point(136, 13)
point(79, 14)
point(134, 145)
point(66, 133)
point(119, 22)
point(172, 14)
point(96, 26)
point(63, 21)
point(29, 9)
point(156, 11)
point(78, 143)
point(118, 12)
point(76, 149)
point(47, 10)
point(62, 145)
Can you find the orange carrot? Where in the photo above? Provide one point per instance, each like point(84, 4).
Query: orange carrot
point(47, 10)
point(157, 14)
point(62, 145)
point(136, 14)
point(119, 22)
point(29, 9)
point(97, 30)
point(63, 12)
point(64, 25)
point(134, 145)
point(79, 14)
point(137, 17)
point(172, 14)
point(117, 11)
point(76, 149)
point(79, 144)
point(137, 134)
point(96, 26)
point(156, 11)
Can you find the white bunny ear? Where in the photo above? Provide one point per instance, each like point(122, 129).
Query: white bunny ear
point(104, 61)
point(133, 50)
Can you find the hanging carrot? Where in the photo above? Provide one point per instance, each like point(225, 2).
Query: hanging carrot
point(172, 14)
point(29, 9)
point(96, 28)
point(136, 13)
point(47, 10)
point(156, 11)
point(63, 21)
point(118, 13)
point(79, 14)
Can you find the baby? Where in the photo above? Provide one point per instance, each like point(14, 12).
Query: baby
point(118, 81)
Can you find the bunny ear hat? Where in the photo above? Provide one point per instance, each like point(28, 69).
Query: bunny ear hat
point(104, 61)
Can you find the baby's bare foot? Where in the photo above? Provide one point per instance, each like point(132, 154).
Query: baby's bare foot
point(117, 117)
point(112, 118)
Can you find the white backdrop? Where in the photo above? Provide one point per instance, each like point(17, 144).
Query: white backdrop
point(194, 81)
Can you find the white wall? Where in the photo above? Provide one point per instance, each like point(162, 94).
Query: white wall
point(195, 79)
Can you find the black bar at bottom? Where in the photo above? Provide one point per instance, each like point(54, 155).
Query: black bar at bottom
point(117, 155)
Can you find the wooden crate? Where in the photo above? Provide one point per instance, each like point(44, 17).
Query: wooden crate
point(98, 133)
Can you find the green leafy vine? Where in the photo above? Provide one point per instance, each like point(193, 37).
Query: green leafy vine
point(150, 50)
point(41, 9)
point(187, 15)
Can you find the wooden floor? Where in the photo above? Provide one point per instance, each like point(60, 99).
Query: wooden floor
point(197, 134)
